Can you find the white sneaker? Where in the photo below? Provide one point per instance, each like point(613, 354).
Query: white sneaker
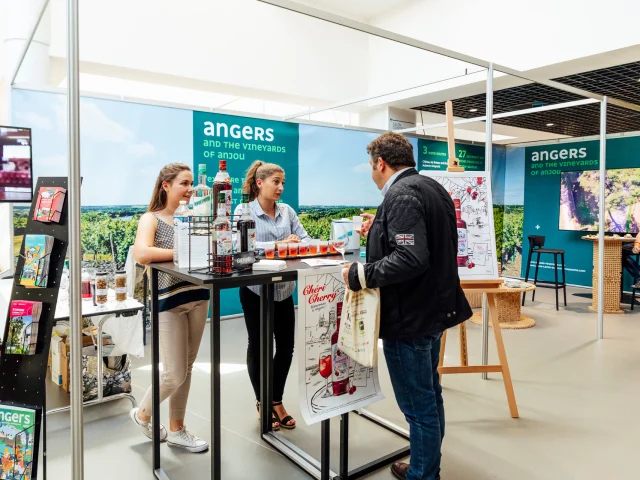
point(184, 439)
point(146, 427)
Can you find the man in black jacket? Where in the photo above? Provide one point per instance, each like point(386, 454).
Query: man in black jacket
point(412, 245)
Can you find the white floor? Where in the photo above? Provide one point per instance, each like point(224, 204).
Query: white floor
point(579, 404)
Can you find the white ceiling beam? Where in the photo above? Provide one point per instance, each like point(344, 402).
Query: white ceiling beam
point(517, 113)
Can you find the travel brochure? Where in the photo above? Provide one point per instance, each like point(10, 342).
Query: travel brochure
point(22, 336)
point(37, 250)
point(49, 204)
point(17, 434)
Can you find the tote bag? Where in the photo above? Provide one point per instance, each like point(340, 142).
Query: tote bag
point(360, 323)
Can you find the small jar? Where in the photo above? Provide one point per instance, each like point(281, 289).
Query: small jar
point(101, 288)
point(121, 286)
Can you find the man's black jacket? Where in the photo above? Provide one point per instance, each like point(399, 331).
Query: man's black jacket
point(412, 257)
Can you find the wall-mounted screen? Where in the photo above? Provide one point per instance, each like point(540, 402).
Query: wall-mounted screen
point(16, 181)
point(580, 192)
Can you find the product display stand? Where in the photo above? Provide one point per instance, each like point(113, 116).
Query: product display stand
point(491, 288)
point(23, 377)
point(266, 281)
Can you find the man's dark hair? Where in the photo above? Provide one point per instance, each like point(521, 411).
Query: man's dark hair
point(394, 149)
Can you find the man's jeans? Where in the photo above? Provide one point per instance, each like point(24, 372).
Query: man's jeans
point(413, 368)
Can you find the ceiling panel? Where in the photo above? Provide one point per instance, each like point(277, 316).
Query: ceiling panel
point(621, 82)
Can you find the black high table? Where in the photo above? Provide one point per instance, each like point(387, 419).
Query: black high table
point(266, 281)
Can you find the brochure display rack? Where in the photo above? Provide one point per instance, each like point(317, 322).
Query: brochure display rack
point(23, 377)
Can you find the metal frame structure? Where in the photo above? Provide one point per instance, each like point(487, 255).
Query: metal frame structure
point(419, 44)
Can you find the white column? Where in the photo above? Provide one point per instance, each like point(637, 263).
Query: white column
point(17, 18)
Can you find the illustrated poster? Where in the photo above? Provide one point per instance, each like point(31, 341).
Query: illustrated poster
point(330, 383)
point(477, 259)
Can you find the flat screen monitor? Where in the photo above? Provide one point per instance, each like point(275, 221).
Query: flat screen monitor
point(16, 180)
point(579, 200)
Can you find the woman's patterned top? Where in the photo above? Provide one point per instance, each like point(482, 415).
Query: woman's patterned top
point(172, 291)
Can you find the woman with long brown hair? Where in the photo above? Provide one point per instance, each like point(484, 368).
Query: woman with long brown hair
point(275, 222)
point(182, 307)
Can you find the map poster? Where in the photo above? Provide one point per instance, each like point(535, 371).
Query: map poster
point(477, 258)
point(329, 382)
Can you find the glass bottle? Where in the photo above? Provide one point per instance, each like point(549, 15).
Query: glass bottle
point(461, 225)
point(180, 222)
point(201, 199)
point(222, 240)
point(247, 227)
point(222, 183)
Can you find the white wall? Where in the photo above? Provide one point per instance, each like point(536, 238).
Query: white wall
point(239, 42)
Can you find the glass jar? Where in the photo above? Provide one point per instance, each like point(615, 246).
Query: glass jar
point(101, 288)
point(121, 286)
point(86, 285)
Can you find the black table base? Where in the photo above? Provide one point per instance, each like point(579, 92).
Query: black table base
point(319, 469)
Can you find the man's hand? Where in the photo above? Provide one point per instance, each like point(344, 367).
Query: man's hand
point(345, 273)
point(366, 226)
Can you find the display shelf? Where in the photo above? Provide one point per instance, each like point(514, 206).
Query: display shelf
point(23, 377)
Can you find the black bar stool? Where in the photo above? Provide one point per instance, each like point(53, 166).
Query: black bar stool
point(536, 244)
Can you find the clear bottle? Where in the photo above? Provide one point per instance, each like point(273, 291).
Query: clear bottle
point(201, 199)
point(222, 240)
point(247, 227)
point(222, 183)
point(180, 226)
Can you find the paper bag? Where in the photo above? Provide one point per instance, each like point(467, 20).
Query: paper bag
point(360, 323)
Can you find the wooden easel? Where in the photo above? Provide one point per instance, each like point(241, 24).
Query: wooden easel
point(488, 287)
point(491, 288)
point(454, 162)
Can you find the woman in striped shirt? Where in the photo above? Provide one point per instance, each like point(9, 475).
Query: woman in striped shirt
point(275, 222)
point(182, 307)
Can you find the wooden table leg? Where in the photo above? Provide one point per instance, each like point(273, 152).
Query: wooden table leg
point(443, 344)
point(502, 356)
point(464, 356)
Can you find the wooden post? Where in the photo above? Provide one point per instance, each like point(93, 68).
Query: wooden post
point(454, 162)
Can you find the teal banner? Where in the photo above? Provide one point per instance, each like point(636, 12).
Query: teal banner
point(561, 203)
point(434, 155)
point(241, 141)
